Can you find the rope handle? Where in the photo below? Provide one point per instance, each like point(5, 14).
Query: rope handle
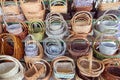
point(55, 2)
point(77, 15)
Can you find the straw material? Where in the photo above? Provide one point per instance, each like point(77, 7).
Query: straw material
point(16, 72)
point(90, 67)
point(82, 22)
point(12, 12)
point(59, 6)
point(37, 29)
point(38, 69)
point(22, 34)
point(112, 69)
point(33, 10)
point(56, 26)
point(107, 6)
point(40, 52)
point(64, 67)
point(14, 48)
point(78, 46)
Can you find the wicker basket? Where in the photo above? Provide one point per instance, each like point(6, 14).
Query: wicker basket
point(78, 46)
point(33, 10)
point(82, 22)
point(104, 17)
point(54, 47)
point(39, 69)
point(11, 13)
point(100, 55)
point(64, 67)
point(90, 67)
point(60, 6)
point(21, 32)
point(11, 45)
point(106, 6)
point(112, 69)
point(78, 6)
point(37, 29)
point(56, 26)
point(40, 52)
point(11, 70)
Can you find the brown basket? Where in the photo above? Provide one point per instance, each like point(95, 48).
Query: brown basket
point(112, 69)
point(12, 12)
point(24, 33)
point(33, 10)
point(90, 67)
point(82, 22)
point(107, 6)
point(15, 50)
point(39, 69)
point(40, 52)
point(59, 6)
point(76, 48)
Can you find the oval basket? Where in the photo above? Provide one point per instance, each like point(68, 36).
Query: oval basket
point(38, 69)
point(22, 34)
point(63, 67)
point(40, 52)
point(33, 10)
point(11, 12)
point(15, 73)
point(112, 69)
point(54, 47)
point(62, 5)
point(82, 22)
point(90, 67)
point(101, 56)
point(37, 29)
point(13, 47)
point(78, 46)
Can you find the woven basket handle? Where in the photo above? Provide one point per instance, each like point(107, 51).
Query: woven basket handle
point(55, 2)
point(62, 58)
point(52, 14)
point(40, 24)
point(14, 39)
point(22, 1)
point(80, 13)
point(90, 58)
point(106, 17)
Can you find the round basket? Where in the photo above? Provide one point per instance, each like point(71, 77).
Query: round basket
point(78, 46)
point(11, 70)
point(11, 11)
point(40, 52)
point(33, 10)
point(62, 5)
point(105, 17)
point(39, 69)
point(11, 45)
point(100, 55)
point(54, 47)
point(82, 22)
point(63, 67)
point(112, 69)
point(37, 29)
point(90, 67)
point(21, 32)
point(56, 26)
